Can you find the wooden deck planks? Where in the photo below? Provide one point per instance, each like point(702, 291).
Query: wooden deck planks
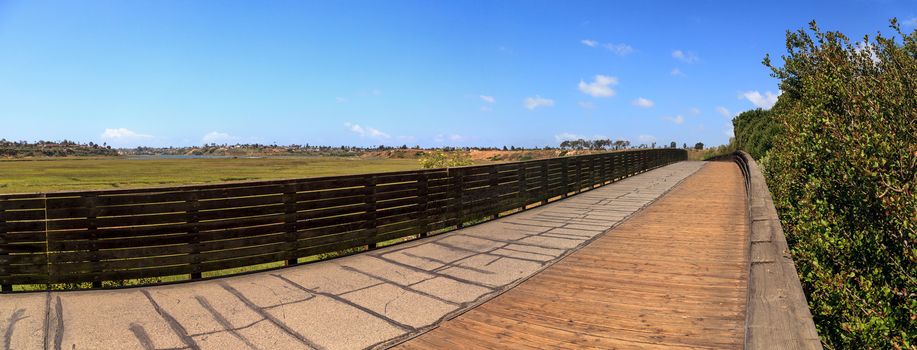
point(673, 276)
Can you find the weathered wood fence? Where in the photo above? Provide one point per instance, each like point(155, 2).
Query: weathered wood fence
point(113, 235)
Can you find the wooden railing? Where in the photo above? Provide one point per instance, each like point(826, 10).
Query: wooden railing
point(88, 237)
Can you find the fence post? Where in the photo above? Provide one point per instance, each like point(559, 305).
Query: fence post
point(594, 175)
point(289, 219)
point(521, 178)
point(494, 192)
point(544, 182)
point(91, 202)
point(422, 193)
point(194, 205)
point(458, 194)
point(4, 250)
point(566, 177)
point(371, 210)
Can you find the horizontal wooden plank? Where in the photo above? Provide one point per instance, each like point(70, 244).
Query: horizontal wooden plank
point(22, 215)
point(240, 212)
point(22, 203)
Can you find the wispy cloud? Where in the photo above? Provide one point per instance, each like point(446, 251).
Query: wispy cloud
point(218, 137)
point(678, 119)
point(643, 102)
point(677, 72)
point(488, 99)
point(685, 56)
point(599, 87)
point(620, 49)
point(531, 103)
point(766, 101)
point(723, 112)
point(365, 131)
point(647, 139)
point(340, 100)
point(486, 109)
point(694, 111)
point(123, 134)
point(585, 104)
point(376, 92)
point(910, 22)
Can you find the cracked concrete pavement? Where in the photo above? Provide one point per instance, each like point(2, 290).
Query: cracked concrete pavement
point(369, 300)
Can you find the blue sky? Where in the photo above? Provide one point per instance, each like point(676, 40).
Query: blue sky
point(434, 73)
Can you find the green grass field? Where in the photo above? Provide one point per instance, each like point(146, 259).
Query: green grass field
point(64, 174)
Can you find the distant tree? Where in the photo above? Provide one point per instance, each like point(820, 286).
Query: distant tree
point(699, 146)
point(673, 144)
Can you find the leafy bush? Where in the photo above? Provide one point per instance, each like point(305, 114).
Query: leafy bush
point(844, 178)
point(440, 159)
point(755, 130)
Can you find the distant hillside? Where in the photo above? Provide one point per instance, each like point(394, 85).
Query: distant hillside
point(23, 149)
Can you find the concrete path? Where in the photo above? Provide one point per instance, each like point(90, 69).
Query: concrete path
point(674, 276)
point(367, 300)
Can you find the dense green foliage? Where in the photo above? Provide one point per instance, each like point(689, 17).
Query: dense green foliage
point(843, 173)
point(755, 131)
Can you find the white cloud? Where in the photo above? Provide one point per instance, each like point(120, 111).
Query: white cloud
point(643, 102)
point(694, 111)
point(218, 137)
point(870, 49)
point(123, 134)
point(366, 131)
point(599, 87)
point(488, 99)
point(677, 72)
point(727, 130)
point(585, 104)
point(678, 119)
point(619, 49)
point(723, 112)
point(910, 22)
point(647, 139)
point(566, 136)
point(685, 56)
point(766, 101)
point(340, 100)
point(534, 102)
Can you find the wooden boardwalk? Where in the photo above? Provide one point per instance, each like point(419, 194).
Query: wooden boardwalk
point(673, 276)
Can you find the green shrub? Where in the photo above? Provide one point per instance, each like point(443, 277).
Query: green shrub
point(844, 178)
point(440, 159)
point(755, 131)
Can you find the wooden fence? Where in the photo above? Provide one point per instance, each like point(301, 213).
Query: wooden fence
point(113, 235)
